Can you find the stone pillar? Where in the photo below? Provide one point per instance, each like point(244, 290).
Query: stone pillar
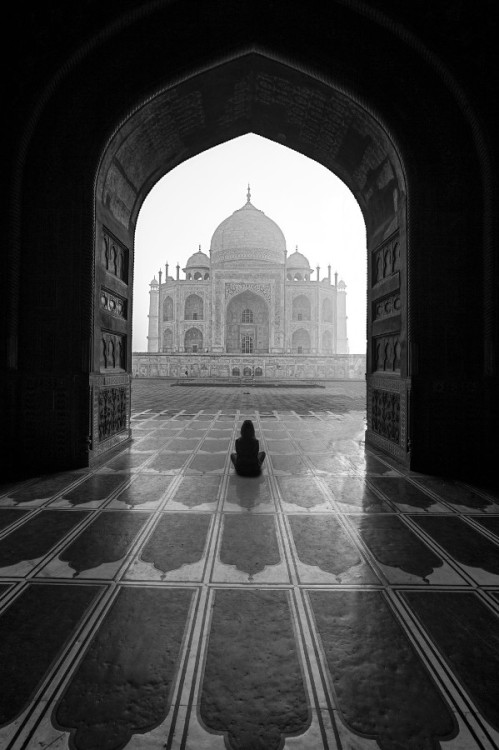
point(341, 319)
point(152, 338)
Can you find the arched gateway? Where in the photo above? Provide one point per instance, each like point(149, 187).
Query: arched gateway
point(93, 147)
point(366, 158)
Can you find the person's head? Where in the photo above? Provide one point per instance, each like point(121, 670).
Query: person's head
point(247, 429)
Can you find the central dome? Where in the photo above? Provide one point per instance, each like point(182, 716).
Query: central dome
point(248, 235)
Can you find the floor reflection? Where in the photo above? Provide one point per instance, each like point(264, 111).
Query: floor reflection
point(335, 601)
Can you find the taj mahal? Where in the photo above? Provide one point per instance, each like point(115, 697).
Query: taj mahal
point(248, 309)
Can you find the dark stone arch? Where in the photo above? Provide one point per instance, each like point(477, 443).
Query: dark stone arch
point(73, 184)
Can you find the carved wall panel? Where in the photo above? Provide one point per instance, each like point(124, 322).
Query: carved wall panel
point(386, 353)
point(386, 259)
point(112, 411)
point(387, 306)
point(112, 351)
point(114, 303)
point(114, 256)
point(385, 414)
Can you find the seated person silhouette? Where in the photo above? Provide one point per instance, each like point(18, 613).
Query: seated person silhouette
point(247, 459)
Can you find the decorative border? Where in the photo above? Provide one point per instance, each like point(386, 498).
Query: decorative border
point(233, 288)
point(378, 441)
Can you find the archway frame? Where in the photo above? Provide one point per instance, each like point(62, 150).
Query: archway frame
point(249, 296)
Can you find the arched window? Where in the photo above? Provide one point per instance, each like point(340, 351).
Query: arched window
point(247, 316)
point(193, 307)
point(193, 340)
point(301, 341)
point(301, 308)
point(236, 372)
point(258, 371)
point(247, 372)
point(247, 344)
point(167, 339)
point(167, 308)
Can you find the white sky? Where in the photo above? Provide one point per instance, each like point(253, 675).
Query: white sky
point(314, 209)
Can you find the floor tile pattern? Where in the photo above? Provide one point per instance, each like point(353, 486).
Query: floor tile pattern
point(336, 601)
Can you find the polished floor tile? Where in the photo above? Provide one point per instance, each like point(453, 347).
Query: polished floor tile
point(337, 601)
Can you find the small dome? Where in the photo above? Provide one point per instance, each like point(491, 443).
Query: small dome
point(342, 285)
point(197, 260)
point(297, 260)
point(154, 282)
point(248, 235)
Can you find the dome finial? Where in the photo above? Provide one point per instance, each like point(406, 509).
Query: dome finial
point(248, 194)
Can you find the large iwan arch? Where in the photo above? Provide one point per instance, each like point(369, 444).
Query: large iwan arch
point(92, 147)
point(247, 323)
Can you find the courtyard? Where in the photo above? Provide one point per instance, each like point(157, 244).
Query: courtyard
point(336, 601)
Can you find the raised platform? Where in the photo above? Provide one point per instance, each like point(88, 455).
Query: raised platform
point(234, 367)
point(246, 383)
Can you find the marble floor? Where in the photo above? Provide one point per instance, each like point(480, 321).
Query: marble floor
point(336, 601)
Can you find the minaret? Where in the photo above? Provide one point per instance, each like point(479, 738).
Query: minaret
point(153, 338)
point(341, 319)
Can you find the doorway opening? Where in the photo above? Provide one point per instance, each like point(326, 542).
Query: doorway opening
point(369, 165)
